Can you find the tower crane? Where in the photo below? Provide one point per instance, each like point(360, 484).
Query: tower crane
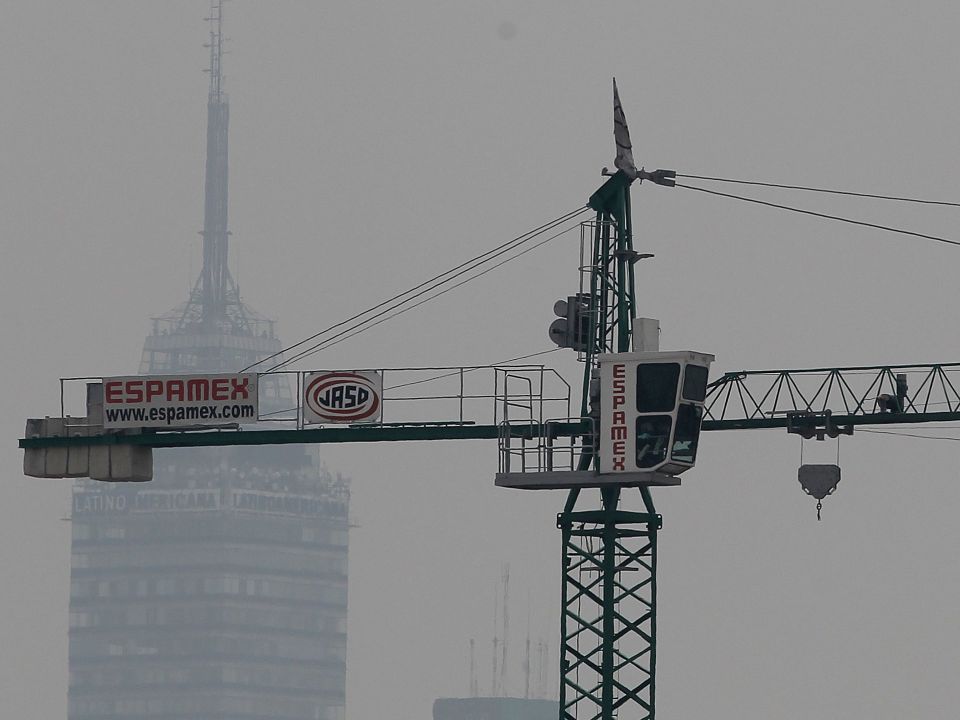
point(640, 415)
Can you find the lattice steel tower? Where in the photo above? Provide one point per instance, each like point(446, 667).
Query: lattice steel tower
point(609, 595)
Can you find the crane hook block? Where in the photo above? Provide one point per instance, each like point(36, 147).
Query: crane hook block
point(819, 480)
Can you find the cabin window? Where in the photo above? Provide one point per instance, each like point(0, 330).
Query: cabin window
point(657, 387)
point(653, 439)
point(687, 434)
point(695, 383)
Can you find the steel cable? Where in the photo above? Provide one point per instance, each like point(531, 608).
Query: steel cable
point(379, 318)
point(807, 188)
point(825, 216)
point(430, 284)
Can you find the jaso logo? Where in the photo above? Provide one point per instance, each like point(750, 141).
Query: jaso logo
point(342, 397)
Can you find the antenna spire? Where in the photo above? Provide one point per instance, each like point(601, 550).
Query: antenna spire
point(526, 662)
point(474, 687)
point(217, 287)
point(494, 676)
point(506, 629)
point(215, 19)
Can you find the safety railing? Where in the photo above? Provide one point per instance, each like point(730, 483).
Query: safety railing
point(532, 447)
point(438, 395)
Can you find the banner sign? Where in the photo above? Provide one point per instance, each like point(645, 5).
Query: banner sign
point(179, 400)
point(617, 438)
point(287, 504)
point(105, 503)
point(342, 397)
point(101, 502)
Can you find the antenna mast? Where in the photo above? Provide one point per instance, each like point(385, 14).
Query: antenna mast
point(493, 675)
point(542, 665)
point(216, 50)
point(506, 628)
point(474, 690)
point(526, 663)
point(215, 280)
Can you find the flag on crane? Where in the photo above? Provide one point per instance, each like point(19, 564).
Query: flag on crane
point(621, 135)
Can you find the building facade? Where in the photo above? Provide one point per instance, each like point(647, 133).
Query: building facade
point(216, 591)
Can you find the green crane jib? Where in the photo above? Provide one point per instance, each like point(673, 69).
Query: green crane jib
point(609, 588)
point(744, 400)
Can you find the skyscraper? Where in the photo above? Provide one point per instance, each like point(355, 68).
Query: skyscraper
point(218, 591)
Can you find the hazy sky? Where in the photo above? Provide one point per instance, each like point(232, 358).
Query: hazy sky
point(375, 144)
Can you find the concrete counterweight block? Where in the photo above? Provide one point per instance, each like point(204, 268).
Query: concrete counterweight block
point(121, 463)
point(35, 459)
point(109, 463)
point(56, 462)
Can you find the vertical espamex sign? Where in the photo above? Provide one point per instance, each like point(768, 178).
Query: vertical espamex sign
point(617, 443)
point(343, 397)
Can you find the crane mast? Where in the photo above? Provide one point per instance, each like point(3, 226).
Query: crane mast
point(608, 593)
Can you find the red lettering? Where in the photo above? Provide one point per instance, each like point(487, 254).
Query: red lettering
point(113, 391)
point(198, 389)
point(154, 389)
point(175, 390)
point(221, 391)
point(618, 425)
point(134, 390)
point(241, 391)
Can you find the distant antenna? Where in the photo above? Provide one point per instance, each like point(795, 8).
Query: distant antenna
point(506, 628)
point(540, 653)
point(216, 50)
point(474, 690)
point(543, 650)
point(217, 289)
point(526, 662)
point(493, 675)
